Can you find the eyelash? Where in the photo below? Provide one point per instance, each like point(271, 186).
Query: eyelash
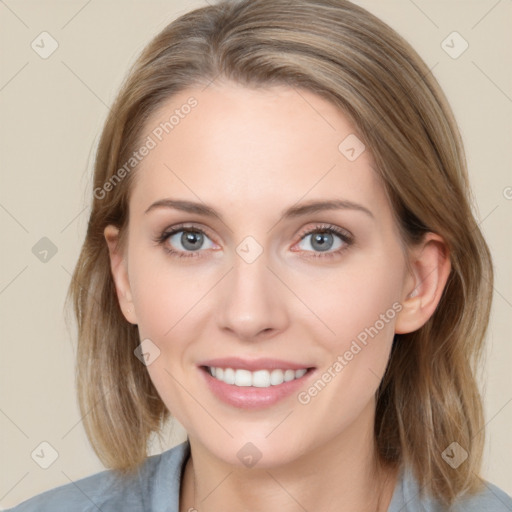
point(323, 228)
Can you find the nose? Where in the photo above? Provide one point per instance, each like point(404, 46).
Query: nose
point(253, 303)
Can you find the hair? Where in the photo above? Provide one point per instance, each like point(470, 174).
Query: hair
point(428, 397)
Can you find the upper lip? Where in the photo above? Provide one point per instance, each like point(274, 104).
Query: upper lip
point(253, 364)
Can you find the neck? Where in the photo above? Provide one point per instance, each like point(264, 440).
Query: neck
point(341, 475)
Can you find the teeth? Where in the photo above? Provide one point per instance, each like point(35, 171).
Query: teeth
point(229, 375)
point(258, 379)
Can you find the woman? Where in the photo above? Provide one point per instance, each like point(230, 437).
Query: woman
point(282, 254)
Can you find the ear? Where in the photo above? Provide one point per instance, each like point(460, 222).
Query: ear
point(119, 269)
point(423, 287)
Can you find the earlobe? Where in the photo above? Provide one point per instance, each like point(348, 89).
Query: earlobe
point(424, 287)
point(120, 274)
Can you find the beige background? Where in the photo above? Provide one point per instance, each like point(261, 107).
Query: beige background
point(51, 114)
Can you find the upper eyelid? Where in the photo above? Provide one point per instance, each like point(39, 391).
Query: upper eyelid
point(323, 226)
point(172, 230)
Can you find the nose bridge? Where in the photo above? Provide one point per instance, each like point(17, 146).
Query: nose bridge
point(253, 302)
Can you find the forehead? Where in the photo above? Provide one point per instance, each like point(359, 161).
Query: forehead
point(227, 142)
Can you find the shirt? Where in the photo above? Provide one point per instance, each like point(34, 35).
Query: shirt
point(156, 488)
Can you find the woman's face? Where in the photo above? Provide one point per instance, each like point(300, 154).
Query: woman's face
point(259, 274)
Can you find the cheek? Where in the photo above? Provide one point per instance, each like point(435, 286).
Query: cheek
point(158, 302)
point(358, 302)
point(163, 293)
point(167, 302)
point(360, 305)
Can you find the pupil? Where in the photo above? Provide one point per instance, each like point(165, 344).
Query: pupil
point(191, 240)
point(323, 241)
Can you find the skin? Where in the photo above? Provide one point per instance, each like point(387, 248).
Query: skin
point(250, 154)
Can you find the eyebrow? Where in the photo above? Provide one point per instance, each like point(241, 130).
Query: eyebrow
point(292, 212)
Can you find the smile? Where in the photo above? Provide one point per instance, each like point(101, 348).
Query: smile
point(258, 378)
point(255, 388)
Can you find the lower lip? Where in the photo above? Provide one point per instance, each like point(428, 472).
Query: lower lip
point(250, 397)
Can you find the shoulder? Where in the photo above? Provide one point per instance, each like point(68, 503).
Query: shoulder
point(407, 497)
point(490, 499)
point(155, 486)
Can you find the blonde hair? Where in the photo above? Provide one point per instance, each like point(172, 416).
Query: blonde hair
point(428, 397)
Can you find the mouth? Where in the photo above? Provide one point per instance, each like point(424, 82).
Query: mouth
point(254, 384)
point(259, 378)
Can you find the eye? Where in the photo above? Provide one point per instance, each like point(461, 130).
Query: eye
point(324, 240)
point(184, 241)
point(327, 239)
